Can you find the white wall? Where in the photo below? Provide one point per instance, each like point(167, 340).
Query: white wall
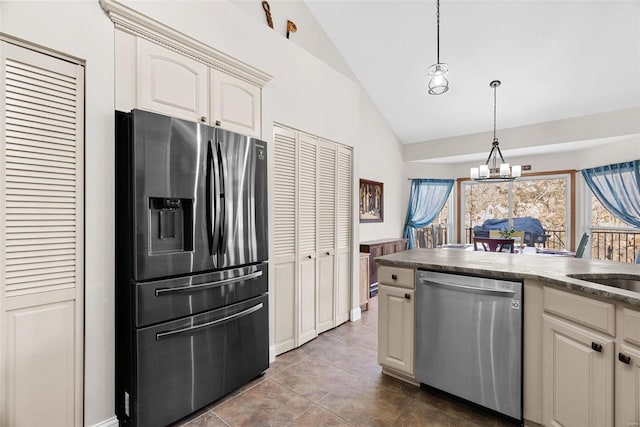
point(81, 29)
point(305, 93)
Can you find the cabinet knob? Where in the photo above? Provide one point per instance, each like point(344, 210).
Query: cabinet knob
point(597, 347)
point(328, 253)
point(624, 358)
point(394, 277)
point(203, 119)
point(308, 256)
point(218, 123)
point(407, 296)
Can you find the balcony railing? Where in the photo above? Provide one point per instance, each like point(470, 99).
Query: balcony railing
point(615, 244)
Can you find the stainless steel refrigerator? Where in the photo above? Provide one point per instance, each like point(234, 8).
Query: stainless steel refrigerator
point(191, 272)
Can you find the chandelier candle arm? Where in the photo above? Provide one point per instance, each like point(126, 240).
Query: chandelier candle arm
point(490, 171)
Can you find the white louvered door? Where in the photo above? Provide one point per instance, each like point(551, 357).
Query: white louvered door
point(307, 230)
point(343, 240)
point(284, 296)
point(326, 235)
point(41, 239)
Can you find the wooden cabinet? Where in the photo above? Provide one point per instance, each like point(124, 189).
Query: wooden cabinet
point(396, 321)
point(171, 83)
point(167, 81)
point(364, 280)
point(577, 375)
point(236, 104)
point(312, 230)
point(378, 248)
point(41, 238)
point(627, 367)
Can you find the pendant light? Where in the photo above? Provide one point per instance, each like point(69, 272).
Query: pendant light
point(490, 171)
point(438, 83)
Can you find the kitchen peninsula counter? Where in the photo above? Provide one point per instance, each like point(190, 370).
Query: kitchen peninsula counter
point(580, 339)
point(553, 270)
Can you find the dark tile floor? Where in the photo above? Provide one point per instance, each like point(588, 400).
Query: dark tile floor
point(335, 380)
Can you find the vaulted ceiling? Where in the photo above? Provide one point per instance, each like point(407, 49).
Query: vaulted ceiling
point(556, 60)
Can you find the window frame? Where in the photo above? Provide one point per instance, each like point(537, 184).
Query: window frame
point(569, 174)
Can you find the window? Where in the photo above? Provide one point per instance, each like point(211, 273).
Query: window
point(436, 233)
point(611, 238)
point(546, 197)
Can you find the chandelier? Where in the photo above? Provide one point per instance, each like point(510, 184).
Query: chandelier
point(492, 170)
point(438, 83)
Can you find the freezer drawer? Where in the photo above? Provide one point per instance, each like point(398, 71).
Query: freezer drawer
point(469, 339)
point(186, 364)
point(159, 300)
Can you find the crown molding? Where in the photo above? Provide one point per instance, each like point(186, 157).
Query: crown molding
point(134, 22)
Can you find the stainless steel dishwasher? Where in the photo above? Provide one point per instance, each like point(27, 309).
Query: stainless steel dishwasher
point(469, 339)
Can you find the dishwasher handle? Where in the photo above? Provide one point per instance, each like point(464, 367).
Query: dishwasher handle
point(505, 293)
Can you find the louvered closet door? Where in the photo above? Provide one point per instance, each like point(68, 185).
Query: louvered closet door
point(284, 240)
point(326, 234)
point(41, 242)
point(307, 230)
point(344, 217)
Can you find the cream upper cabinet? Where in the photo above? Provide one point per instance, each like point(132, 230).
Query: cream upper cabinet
point(41, 238)
point(171, 83)
point(235, 104)
point(396, 337)
point(578, 375)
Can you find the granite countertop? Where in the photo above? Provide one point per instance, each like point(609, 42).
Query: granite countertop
point(549, 269)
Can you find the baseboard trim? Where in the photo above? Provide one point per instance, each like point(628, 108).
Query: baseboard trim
point(356, 314)
point(111, 422)
point(272, 354)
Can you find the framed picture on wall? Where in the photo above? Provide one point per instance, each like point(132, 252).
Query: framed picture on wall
point(371, 201)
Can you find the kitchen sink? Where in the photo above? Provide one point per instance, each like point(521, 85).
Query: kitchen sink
point(630, 284)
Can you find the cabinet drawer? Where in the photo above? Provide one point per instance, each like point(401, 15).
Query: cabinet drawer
point(395, 276)
point(630, 326)
point(590, 312)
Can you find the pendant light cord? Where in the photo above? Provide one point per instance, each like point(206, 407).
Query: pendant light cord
point(494, 112)
point(438, 34)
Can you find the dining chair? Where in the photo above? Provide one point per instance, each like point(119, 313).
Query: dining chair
point(493, 245)
point(582, 245)
point(517, 235)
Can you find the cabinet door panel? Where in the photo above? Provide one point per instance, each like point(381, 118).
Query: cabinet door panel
point(396, 328)
point(41, 362)
point(343, 288)
point(284, 307)
point(235, 103)
point(326, 301)
point(170, 83)
point(628, 387)
point(577, 379)
point(307, 305)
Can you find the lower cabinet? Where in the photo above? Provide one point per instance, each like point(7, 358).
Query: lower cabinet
point(627, 387)
point(577, 375)
point(396, 310)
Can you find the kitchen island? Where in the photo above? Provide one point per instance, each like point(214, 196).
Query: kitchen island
point(581, 336)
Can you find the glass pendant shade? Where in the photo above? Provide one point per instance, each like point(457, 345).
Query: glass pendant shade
point(438, 83)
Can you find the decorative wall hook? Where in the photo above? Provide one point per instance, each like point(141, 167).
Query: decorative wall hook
point(267, 12)
point(291, 27)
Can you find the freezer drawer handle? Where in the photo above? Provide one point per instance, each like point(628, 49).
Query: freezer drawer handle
point(471, 289)
point(597, 347)
point(243, 313)
point(164, 291)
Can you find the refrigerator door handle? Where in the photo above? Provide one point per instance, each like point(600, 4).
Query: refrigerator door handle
point(164, 291)
point(506, 293)
point(213, 200)
point(223, 204)
point(161, 335)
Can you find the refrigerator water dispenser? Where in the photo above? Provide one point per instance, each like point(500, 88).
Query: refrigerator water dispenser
point(170, 224)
